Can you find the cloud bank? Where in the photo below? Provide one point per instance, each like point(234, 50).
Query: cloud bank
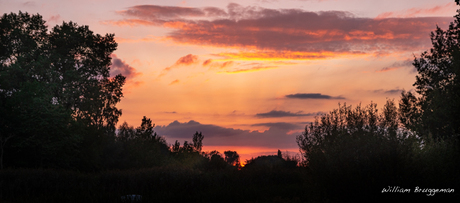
point(278, 135)
point(286, 33)
point(278, 114)
point(312, 96)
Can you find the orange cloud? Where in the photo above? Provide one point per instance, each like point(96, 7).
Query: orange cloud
point(188, 59)
point(252, 69)
point(218, 65)
point(129, 22)
point(207, 62)
point(283, 55)
point(174, 82)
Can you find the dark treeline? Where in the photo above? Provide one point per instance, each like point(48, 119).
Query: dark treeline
point(60, 142)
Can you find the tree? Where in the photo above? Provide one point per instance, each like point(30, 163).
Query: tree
point(435, 108)
point(145, 131)
point(176, 147)
point(350, 125)
point(197, 141)
point(356, 149)
point(54, 87)
point(232, 158)
point(141, 146)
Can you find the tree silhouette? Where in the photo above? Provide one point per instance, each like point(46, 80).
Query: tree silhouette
point(348, 147)
point(141, 146)
point(232, 158)
point(54, 88)
point(197, 141)
point(435, 108)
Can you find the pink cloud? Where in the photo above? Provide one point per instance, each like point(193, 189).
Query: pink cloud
point(128, 22)
point(397, 65)
point(414, 12)
point(292, 34)
point(55, 18)
point(121, 67)
point(288, 30)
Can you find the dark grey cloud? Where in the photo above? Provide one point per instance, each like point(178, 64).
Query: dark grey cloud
point(312, 96)
point(186, 130)
point(276, 114)
point(393, 91)
point(282, 125)
point(278, 135)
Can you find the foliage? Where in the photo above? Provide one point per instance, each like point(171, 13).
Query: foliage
point(356, 148)
point(216, 161)
point(197, 141)
point(434, 110)
point(54, 88)
point(156, 184)
point(232, 158)
point(324, 135)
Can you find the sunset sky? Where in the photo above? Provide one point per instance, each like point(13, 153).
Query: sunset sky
point(251, 74)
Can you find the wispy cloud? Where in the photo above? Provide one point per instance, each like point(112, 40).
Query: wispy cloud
point(284, 55)
point(174, 82)
point(414, 12)
point(251, 69)
point(55, 18)
point(312, 96)
point(128, 22)
point(186, 60)
point(392, 91)
point(144, 39)
point(397, 65)
point(219, 65)
point(277, 114)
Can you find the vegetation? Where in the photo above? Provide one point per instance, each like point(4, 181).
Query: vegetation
point(432, 111)
point(59, 141)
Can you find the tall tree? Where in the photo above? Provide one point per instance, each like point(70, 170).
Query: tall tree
point(52, 83)
point(197, 141)
point(232, 158)
point(435, 108)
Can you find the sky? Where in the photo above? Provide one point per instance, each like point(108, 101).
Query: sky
point(251, 74)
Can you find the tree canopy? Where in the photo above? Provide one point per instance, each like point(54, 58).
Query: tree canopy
point(54, 84)
point(434, 108)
